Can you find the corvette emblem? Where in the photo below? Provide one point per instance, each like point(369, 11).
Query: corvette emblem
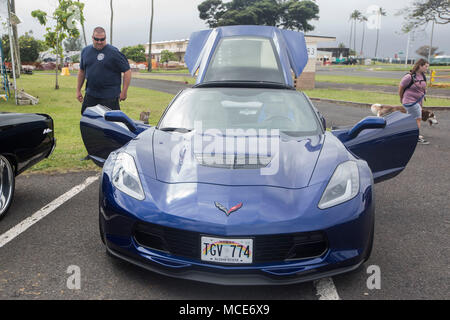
point(225, 210)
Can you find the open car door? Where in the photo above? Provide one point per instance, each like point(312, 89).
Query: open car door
point(387, 150)
point(102, 135)
point(246, 53)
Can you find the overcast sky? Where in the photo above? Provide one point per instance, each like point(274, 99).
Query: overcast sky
point(176, 19)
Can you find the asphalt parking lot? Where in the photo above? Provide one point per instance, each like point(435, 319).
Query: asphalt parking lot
point(411, 246)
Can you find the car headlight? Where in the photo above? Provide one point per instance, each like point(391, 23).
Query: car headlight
point(343, 185)
point(125, 176)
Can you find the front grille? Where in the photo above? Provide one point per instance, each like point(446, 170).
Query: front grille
point(266, 248)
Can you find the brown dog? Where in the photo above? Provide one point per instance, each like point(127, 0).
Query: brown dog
point(382, 110)
point(144, 116)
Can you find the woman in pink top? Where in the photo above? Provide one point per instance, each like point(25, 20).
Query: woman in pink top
point(412, 90)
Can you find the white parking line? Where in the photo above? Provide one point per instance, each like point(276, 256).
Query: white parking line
point(42, 213)
point(326, 290)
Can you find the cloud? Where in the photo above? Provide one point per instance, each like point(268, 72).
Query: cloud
point(177, 19)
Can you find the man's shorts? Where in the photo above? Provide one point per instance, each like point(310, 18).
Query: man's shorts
point(415, 111)
point(90, 101)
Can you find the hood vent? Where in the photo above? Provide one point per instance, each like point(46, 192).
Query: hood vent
point(233, 161)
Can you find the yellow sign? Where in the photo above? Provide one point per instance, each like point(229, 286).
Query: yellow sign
point(65, 72)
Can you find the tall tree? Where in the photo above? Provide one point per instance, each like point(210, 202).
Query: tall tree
point(64, 17)
point(425, 50)
point(29, 47)
point(295, 15)
point(84, 32)
point(421, 13)
point(73, 44)
point(381, 12)
point(354, 17)
point(351, 32)
point(135, 53)
point(363, 20)
point(111, 23)
point(149, 63)
point(290, 14)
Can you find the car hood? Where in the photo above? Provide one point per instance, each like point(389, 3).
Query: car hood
point(186, 158)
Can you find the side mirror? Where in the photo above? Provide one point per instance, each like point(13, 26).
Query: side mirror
point(366, 123)
point(119, 116)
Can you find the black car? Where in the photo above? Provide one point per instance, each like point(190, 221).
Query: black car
point(25, 139)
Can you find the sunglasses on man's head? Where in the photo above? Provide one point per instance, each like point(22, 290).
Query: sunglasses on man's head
point(99, 39)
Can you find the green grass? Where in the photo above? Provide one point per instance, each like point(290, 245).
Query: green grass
point(63, 107)
point(382, 67)
point(374, 81)
point(165, 71)
point(188, 79)
point(369, 97)
point(358, 80)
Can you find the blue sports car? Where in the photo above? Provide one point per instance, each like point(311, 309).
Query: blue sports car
point(240, 182)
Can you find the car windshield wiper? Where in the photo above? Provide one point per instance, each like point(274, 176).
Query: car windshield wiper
point(172, 129)
point(243, 83)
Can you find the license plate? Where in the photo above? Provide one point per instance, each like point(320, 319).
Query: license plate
point(226, 250)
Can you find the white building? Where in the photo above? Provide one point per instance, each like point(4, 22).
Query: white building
point(176, 46)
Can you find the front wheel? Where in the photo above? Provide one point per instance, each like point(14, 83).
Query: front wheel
point(370, 245)
point(7, 183)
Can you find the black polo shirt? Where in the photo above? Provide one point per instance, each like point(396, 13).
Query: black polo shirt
point(103, 69)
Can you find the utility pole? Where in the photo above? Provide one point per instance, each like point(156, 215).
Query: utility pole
point(407, 49)
point(11, 48)
point(16, 40)
point(431, 42)
point(84, 32)
point(149, 67)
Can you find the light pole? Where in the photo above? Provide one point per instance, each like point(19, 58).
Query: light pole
point(431, 42)
point(407, 49)
point(11, 45)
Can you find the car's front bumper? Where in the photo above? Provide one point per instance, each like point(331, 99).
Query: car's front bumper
point(347, 229)
point(212, 274)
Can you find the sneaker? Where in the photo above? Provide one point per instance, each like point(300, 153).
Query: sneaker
point(422, 141)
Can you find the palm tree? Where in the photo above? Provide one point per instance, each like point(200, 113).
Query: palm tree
point(111, 24)
point(354, 17)
point(149, 68)
point(363, 20)
point(381, 12)
point(84, 32)
point(351, 32)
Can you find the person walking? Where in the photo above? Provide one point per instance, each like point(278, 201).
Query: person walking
point(412, 91)
point(102, 66)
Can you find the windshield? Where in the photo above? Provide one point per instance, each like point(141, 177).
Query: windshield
point(245, 59)
point(242, 108)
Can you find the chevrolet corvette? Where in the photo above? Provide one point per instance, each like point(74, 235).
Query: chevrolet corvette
point(241, 182)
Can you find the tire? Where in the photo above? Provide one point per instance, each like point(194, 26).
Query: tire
point(370, 246)
point(100, 227)
point(7, 185)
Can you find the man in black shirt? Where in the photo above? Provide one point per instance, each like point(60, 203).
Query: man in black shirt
point(102, 66)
